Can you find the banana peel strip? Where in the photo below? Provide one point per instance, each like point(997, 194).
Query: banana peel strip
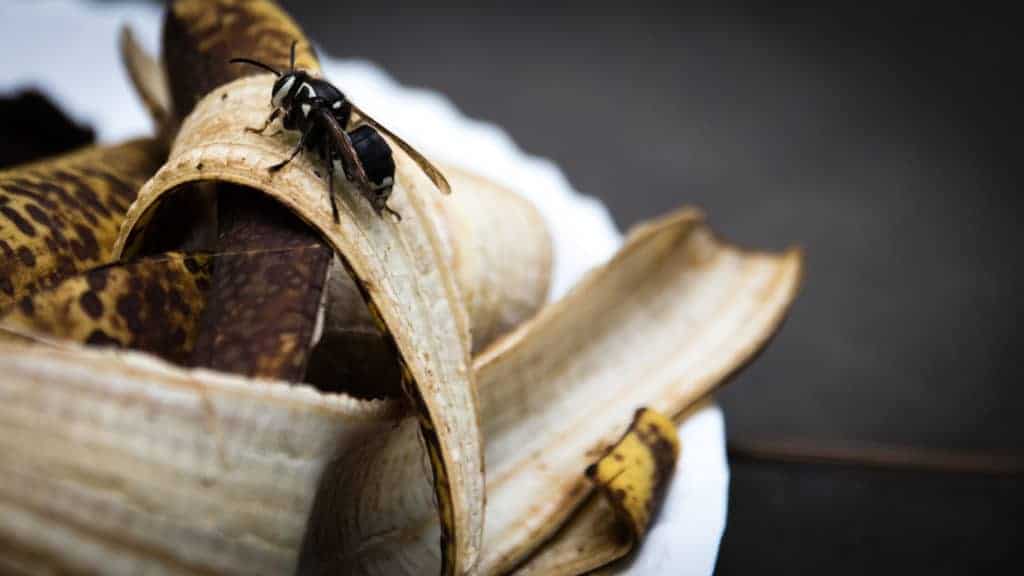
point(400, 267)
point(631, 479)
point(119, 463)
point(668, 319)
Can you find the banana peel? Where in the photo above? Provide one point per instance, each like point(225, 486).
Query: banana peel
point(117, 461)
point(667, 320)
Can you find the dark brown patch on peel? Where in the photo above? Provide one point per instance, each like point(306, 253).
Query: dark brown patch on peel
point(26, 257)
point(101, 338)
point(97, 279)
point(91, 304)
point(263, 299)
point(129, 307)
point(26, 306)
point(23, 225)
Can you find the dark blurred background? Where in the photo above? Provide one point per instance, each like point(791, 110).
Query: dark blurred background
point(879, 139)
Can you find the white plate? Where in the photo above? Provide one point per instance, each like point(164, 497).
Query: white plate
point(69, 50)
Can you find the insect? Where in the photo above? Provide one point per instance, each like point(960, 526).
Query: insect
point(322, 114)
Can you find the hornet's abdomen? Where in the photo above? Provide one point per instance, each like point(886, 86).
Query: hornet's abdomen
point(374, 153)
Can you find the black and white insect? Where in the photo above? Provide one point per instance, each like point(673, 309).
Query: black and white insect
point(323, 115)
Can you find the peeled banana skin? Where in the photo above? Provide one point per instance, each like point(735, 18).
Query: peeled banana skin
point(504, 436)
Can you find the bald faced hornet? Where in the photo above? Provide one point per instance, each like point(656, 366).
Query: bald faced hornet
point(340, 134)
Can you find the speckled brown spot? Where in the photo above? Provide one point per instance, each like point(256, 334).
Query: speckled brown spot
point(177, 303)
point(97, 279)
point(37, 214)
point(26, 257)
point(85, 195)
point(191, 264)
point(24, 189)
point(129, 307)
point(101, 338)
point(91, 304)
point(89, 247)
point(23, 225)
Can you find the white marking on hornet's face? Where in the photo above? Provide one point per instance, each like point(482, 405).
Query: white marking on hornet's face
point(305, 109)
point(282, 92)
point(336, 105)
point(309, 90)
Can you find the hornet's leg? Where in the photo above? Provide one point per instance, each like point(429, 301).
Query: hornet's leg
point(273, 116)
point(390, 210)
point(327, 154)
point(295, 152)
point(383, 206)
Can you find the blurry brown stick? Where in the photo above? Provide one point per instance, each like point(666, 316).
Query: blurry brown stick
point(800, 451)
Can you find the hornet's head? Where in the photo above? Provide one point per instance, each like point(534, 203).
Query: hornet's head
point(287, 85)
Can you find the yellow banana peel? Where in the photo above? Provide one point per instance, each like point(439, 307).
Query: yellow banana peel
point(631, 480)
